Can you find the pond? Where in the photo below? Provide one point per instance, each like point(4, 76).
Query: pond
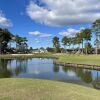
point(43, 68)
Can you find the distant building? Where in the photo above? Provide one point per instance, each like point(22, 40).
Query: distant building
point(39, 51)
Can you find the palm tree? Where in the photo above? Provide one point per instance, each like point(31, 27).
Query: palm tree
point(78, 40)
point(24, 43)
point(56, 44)
point(65, 41)
point(96, 30)
point(73, 42)
point(82, 35)
point(87, 36)
point(69, 41)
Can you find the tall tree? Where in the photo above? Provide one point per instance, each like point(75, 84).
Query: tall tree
point(82, 35)
point(87, 36)
point(65, 41)
point(96, 30)
point(21, 43)
point(56, 44)
point(73, 42)
point(5, 37)
point(69, 41)
point(78, 40)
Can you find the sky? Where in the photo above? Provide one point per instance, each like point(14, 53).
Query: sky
point(41, 20)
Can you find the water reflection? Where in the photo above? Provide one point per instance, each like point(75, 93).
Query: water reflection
point(10, 68)
point(47, 69)
point(4, 71)
point(56, 68)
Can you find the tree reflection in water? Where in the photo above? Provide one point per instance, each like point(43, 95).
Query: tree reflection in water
point(7, 70)
point(46, 68)
point(85, 75)
point(4, 72)
point(55, 68)
point(21, 66)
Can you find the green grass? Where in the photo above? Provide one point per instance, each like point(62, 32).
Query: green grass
point(37, 55)
point(67, 58)
point(80, 59)
point(33, 89)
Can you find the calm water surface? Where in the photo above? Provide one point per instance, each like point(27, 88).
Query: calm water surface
point(46, 69)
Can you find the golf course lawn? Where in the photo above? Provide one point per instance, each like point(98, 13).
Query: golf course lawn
point(35, 89)
point(62, 57)
point(73, 58)
point(80, 59)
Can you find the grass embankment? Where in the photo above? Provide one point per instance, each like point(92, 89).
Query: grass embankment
point(66, 58)
point(29, 89)
point(37, 55)
point(79, 59)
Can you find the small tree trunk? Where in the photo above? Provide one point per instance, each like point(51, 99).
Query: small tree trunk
point(96, 50)
point(86, 47)
point(82, 46)
point(0, 48)
point(73, 47)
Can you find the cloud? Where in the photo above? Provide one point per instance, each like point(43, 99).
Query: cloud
point(36, 33)
point(39, 34)
point(37, 41)
point(4, 22)
point(64, 12)
point(70, 32)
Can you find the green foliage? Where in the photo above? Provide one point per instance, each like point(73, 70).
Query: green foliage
point(88, 48)
point(65, 40)
point(56, 44)
point(5, 37)
point(50, 49)
point(87, 34)
point(96, 26)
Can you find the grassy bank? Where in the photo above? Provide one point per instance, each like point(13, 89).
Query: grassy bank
point(38, 55)
point(66, 58)
point(80, 59)
point(33, 89)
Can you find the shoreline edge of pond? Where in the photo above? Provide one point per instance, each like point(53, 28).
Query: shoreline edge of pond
point(53, 56)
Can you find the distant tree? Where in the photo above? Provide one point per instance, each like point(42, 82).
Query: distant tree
point(74, 42)
point(69, 41)
point(21, 43)
point(30, 48)
point(87, 36)
point(88, 47)
point(5, 37)
point(82, 35)
point(78, 39)
point(96, 30)
point(41, 48)
point(65, 41)
point(56, 44)
point(50, 49)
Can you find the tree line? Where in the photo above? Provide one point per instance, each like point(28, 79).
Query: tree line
point(82, 39)
point(6, 37)
point(80, 43)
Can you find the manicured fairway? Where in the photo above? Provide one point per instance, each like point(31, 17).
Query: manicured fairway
point(68, 58)
point(33, 89)
point(80, 59)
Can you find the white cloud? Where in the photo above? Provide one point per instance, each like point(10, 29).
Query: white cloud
point(37, 41)
point(4, 22)
point(45, 35)
point(36, 33)
point(70, 32)
point(39, 34)
point(64, 12)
